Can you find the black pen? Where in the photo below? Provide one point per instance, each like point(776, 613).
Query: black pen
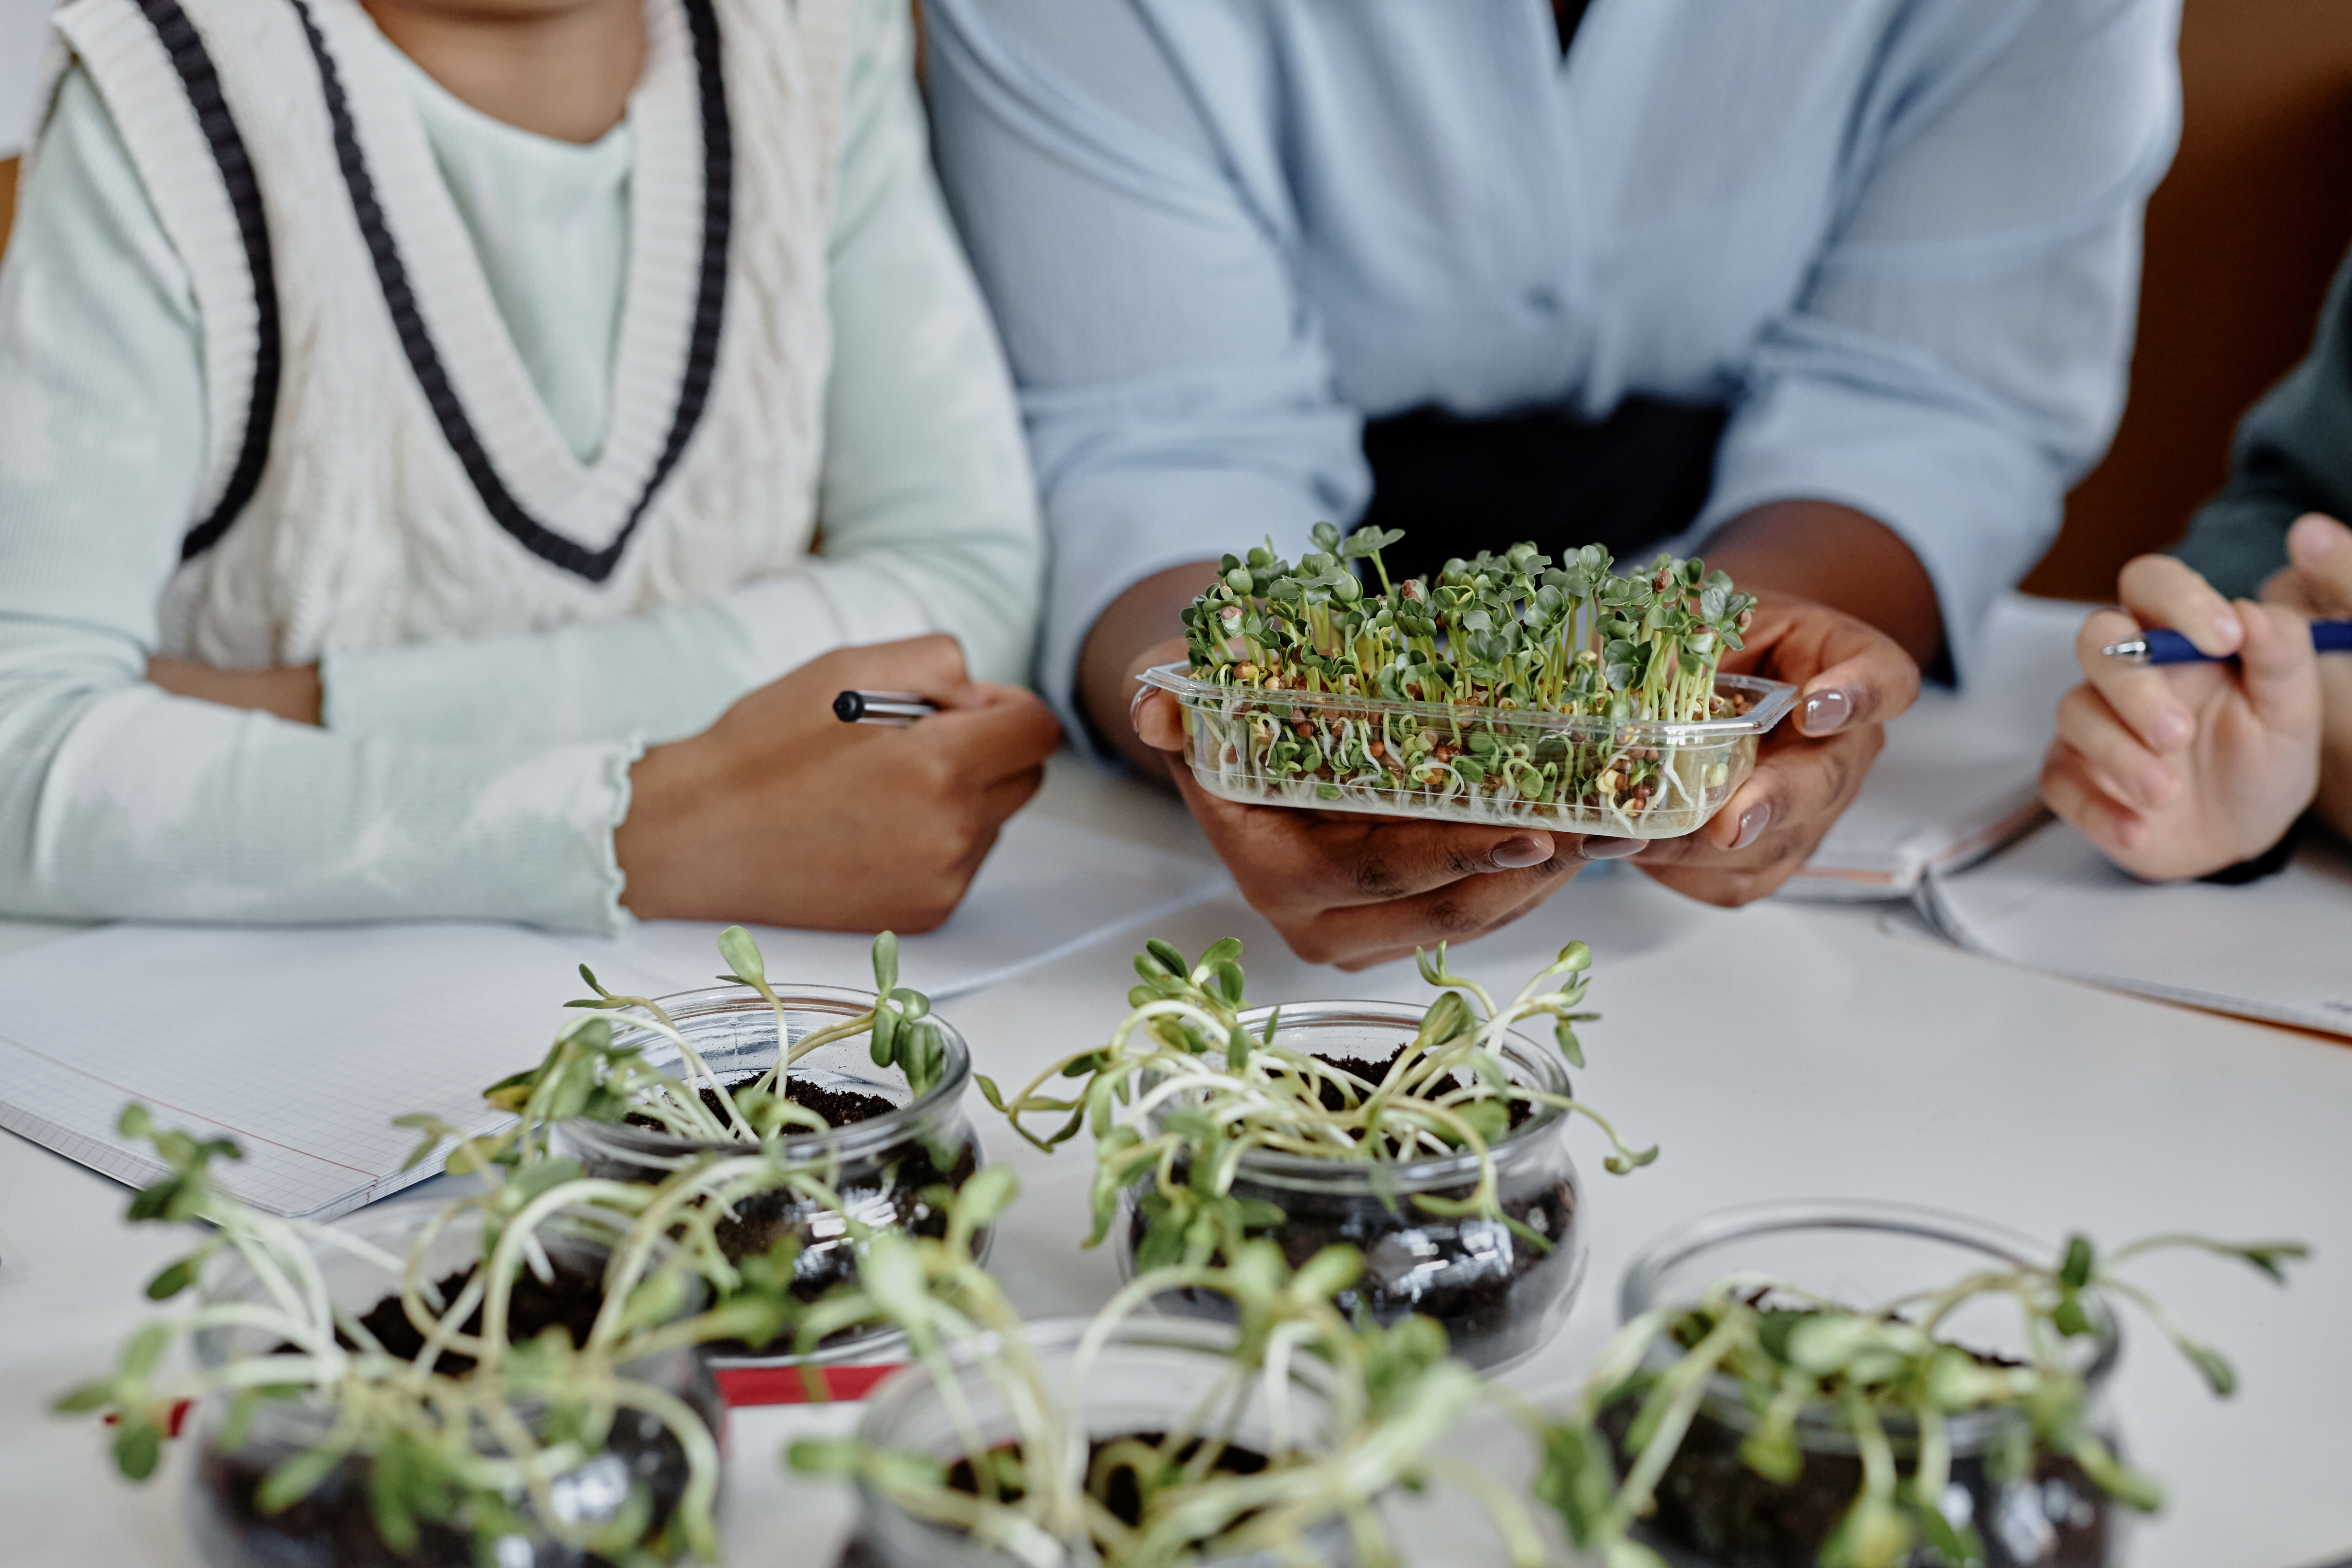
point(897, 709)
point(2164, 646)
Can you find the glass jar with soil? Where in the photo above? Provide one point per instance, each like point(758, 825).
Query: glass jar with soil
point(1713, 1511)
point(1499, 1294)
point(335, 1526)
point(887, 1144)
point(1152, 1377)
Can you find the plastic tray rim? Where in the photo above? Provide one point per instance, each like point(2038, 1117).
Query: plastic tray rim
point(1774, 700)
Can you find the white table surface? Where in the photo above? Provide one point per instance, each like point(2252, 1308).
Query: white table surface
point(1783, 1050)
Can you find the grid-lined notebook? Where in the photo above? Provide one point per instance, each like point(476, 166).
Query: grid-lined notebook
point(303, 1043)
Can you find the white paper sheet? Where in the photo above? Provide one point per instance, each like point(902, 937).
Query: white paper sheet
point(1957, 777)
point(303, 1043)
point(2280, 949)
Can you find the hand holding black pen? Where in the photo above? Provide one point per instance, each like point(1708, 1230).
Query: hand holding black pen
point(895, 709)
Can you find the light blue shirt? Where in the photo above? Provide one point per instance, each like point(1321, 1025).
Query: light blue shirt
point(1900, 237)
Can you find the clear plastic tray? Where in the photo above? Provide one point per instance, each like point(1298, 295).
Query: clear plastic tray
point(1638, 778)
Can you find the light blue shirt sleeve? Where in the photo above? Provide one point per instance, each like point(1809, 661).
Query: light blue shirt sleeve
point(1959, 359)
point(1899, 240)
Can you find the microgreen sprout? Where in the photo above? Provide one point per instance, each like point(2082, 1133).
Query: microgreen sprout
point(1219, 1091)
point(1413, 693)
point(585, 1074)
point(1392, 1394)
point(480, 1445)
point(1875, 1375)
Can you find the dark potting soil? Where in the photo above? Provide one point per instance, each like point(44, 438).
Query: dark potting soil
point(839, 1106)
point(571, 1300)
point(1118, 1491)
point(883, 1190)
point(1715, 1511)
point(1493, 1291)
point(1371, 1073)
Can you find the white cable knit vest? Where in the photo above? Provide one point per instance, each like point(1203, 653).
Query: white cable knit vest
point(380, 470)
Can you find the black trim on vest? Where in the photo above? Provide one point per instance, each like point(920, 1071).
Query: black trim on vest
point(433, 377)
point(202, 83)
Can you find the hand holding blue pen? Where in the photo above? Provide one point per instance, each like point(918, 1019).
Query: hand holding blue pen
point(2203, 767)
point(2164, 646)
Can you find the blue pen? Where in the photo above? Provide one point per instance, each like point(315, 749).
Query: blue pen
point(2166, 647)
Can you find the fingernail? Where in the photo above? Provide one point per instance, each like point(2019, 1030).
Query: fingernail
point(1517, 854)
point(1597, 848)
point(2311, 539)
point(1826, 713)
point(2174, 729)
point(2227, 628)
point(1752, 824)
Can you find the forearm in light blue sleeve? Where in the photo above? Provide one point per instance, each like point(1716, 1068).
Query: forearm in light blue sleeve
point(1959, 359)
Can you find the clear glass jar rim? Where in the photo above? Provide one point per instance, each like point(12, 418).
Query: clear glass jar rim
point(907, 1391)
point(1541, 1066)
point(872, 1135)
point(1817, 1426)
point(1774, 698)
point(911, 1385)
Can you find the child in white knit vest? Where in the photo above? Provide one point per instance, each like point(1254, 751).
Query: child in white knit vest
point(453, 451)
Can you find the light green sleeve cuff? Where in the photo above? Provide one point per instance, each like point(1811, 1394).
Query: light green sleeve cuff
point(120, 802)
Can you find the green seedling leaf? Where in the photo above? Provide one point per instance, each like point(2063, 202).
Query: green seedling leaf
point(2268, 1256)
point(2076, 1272)
point(1826, 1342)
point(295, 1478)
point(144, 1351)
point(742, 955)
point(174, 1279)
point(659, 1299)
point(1326, 1273)
point(1578, 1479)
point(137, 1447)
point(988, 1193)
point(93, 1396)
point(1954, 1543)
point(540, 1176)
point(883, 1040)
point(1563, 1034)
point(2219, 1374)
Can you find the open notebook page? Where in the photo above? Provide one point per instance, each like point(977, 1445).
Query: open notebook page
point(303, 1043)
point(2279, 948)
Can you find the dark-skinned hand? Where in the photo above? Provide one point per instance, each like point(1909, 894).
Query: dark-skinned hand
point(1851, 680)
